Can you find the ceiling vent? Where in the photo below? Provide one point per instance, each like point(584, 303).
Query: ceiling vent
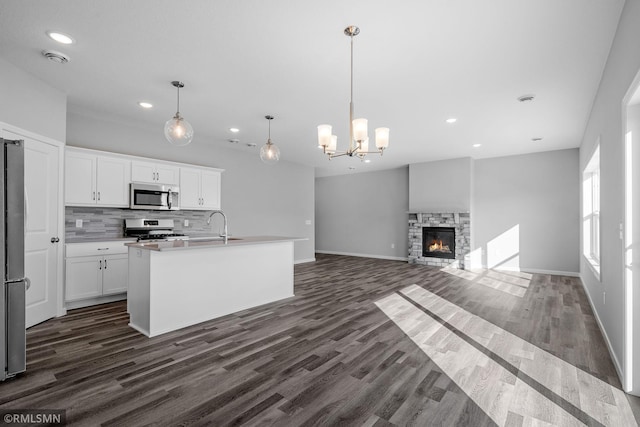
point(55, 56)
point(526, 98)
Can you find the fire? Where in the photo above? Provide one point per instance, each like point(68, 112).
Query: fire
point(437, 246)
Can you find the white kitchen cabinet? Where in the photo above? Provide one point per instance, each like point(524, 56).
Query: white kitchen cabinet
point(154, 173)
point(92, 179)
point(199, 188)
point(95, 269)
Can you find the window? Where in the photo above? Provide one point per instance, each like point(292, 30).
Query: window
point(591, 211)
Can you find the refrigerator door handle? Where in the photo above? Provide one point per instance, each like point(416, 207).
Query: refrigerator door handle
point(27, 283)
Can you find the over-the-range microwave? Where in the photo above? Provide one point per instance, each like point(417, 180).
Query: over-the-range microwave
point(159, 197)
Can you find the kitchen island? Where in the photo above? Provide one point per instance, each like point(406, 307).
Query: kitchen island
point(180, 283)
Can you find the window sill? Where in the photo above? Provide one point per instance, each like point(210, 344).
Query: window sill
point(594, 265)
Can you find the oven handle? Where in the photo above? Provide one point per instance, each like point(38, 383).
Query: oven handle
point(169, 200)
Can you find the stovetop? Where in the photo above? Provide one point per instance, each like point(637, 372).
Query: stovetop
point(161, 237)
point(152, 230)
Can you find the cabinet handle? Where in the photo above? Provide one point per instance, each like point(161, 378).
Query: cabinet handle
point(55, 239)
point(158, 176)
point(98, 195)
point(93, 195)
point(100, 268)
point(105, 264)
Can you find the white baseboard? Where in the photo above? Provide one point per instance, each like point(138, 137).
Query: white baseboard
point(552, 272)
point(305, 260)
point(616, 362)
point(393, 258)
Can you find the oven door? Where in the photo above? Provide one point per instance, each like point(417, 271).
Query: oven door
point(154, 197)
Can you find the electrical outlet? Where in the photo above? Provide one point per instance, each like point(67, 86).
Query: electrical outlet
point(308, 222)
point(78, 223)
point(393, 246)
point(604, 298)
point(186, 222)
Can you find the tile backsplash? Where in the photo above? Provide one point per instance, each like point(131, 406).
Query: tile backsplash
point(109, 222)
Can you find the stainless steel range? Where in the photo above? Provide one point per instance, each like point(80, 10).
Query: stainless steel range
point(152, 230)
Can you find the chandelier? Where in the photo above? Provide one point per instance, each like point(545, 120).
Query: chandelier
point(358, 133)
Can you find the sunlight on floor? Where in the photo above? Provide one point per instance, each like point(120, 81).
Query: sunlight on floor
point(512, 282)
point(511, 380)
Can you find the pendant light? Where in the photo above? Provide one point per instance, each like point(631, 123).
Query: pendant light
point(358, 135)
point(177, 130)
point(269, 153)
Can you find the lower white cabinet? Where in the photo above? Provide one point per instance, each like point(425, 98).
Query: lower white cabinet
point(96, 269)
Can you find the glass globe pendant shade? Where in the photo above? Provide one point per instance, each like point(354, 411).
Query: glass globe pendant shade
point(269, 153)
point(178, 131)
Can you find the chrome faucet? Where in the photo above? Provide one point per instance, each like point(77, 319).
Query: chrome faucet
point(226, 232)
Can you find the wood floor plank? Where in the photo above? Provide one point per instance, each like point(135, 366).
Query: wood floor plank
point(336, 355)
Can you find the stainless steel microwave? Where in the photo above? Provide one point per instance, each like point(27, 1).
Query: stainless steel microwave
point(159, 197)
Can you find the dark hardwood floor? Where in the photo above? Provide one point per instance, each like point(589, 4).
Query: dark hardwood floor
point(359, 344)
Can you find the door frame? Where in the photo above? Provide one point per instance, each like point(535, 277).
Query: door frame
point(60, 308)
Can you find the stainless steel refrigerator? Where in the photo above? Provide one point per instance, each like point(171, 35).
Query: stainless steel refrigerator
point(14, 283)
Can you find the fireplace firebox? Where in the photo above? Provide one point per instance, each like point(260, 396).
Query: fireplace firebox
point(439, 242)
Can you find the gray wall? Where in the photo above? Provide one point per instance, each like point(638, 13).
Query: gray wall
point(258, 199)
point(605, 122)
point(442, 186)
point(31, 104)
point(513, 199)
point(364, 213)
point(526, 211)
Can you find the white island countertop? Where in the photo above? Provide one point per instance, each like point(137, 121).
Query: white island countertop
point(210, 242)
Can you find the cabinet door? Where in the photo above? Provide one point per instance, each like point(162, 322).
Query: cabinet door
point(80, 179)
point(167, 174)
point(115, 274)
point(83, 278)
point(143, 172)
point(190, 189)
point(113, 181)
point(210, 189)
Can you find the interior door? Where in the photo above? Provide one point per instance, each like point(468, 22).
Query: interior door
point(41, 207)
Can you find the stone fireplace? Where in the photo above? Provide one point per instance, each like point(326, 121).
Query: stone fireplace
point(439, 239)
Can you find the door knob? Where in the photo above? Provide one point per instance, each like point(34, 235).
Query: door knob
point(55, 239)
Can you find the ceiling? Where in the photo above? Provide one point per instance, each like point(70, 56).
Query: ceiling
point(416, 62)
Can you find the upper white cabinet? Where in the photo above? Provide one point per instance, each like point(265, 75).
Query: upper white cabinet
point(153, 173)
point(199, 188)
point(92, 179)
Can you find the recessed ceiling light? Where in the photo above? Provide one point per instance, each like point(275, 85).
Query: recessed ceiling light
point(526, 98)
point(234, 130)
point(352, 168)
point(234, 141)
point(536, 139)
point(251, 144)
point(60, 37)
point(367, 160)
point(477, 145)
point(451, 120)
point(144, 104)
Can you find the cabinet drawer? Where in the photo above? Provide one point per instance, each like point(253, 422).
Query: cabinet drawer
point(96, 248)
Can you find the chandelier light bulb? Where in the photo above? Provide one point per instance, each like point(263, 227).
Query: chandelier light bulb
point(382, 138)
point(360, 132)
point(324, 135)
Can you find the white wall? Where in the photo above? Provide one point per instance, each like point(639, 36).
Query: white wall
point(606, 123)
point(526, 212)
point(364, 214)
point(258, 199)
point(31, 104)
point(442, 186)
